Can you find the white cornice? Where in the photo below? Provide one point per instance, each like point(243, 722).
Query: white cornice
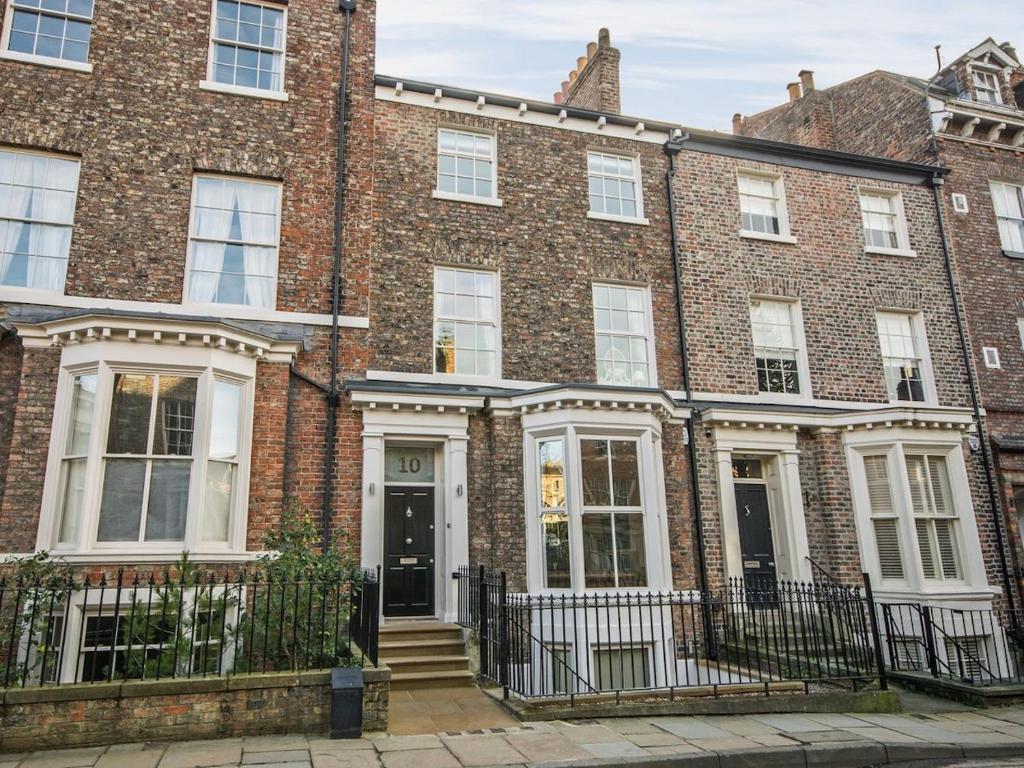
point(885, 417)
point(624, 400)
point(638, 132)
point(171, 332)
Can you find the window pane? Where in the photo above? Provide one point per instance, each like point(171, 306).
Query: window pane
point(625, 473)
point(224, 429)
point(175, 413)
point(220, 478)
point(130, 413)
point(72, 501)
point(630, 551)
point(556, 551)
point(594, 471)
point(598, 554)
point(168, 500)
point(121, 505)
point(552, 474)
point(83, 400)
point(621, 669)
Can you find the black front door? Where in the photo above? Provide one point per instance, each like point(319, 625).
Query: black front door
point(409, 552)
point(755, 534)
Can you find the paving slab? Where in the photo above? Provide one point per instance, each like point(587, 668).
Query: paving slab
point(775, 740)
point(473, 751)
point(844, 755)
point(614, 749)
point(789, 723)
point(275, 743)
point(742, 726)
point(781, 757)
point(419, 758)
point(590, 734)
point(658, 739)
point(544, 747)
point(727, 744)
point(325, 746)
point(878, 733)
point(352, 759)
point(406, 743)
point(276, 756)
point(64, 758)
point(629, 726)
point(826, 737)
point(691, 728)
point(836, 721)
point(137, 758)
point(184, 755)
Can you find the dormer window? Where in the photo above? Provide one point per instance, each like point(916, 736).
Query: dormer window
point(986, 87)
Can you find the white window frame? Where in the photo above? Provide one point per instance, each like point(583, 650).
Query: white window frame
point(46, 61)
point(895, 444)
point(799, 339)
point(778, 181)
point(220, 309)
point(647, 335)
point(210, 84)
point(29, 293)
point(980, 72)
point(494, 199)
point(454, 377)
point(917, 327)
point(638, 186)
point(1018, 188)
point(563, 425)
point(116, 357)
point(991, 358)
point(900, 215)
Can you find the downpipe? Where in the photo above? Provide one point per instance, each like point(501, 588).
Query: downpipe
point(333, 395)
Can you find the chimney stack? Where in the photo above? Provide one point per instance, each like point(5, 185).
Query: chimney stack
point(806, 80)
point(794, 91)
point(594, 84)
point(737, 124)
point(1009, 50)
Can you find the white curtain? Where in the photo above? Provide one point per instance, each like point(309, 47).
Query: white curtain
point(212, 223)
point(49, 262)
point(259, 226)
point(207, 262)
point(259, 281)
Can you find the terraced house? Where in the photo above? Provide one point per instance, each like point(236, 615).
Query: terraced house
point(625, 362)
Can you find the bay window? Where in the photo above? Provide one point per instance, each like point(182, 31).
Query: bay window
point(150, 458)
point(592, 512)
point(935, 518)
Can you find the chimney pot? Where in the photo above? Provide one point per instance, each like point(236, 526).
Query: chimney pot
point(806, 80)
point(591, 50)
point(559, 97)
point(572, 76)
point(581, 64)
point(794, 91)
point(565, 87)
point(1009, 49)
point(604, 38)
point(737, 123)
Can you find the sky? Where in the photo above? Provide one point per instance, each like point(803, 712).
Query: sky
point(694, 62)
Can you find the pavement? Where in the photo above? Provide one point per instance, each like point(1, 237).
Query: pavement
point(991, 737)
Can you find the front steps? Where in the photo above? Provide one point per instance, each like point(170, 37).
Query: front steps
point(424, 654)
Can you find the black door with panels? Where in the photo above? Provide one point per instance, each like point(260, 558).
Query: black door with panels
point(409, 552)
point(755, 524)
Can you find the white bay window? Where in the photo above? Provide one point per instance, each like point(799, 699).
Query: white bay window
point(148, 458)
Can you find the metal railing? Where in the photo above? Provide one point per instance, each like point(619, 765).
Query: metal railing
point(58, 631)
point(976, 647)
point(538, 646)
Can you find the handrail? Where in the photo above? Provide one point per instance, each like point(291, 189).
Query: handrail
point(550, 651)
point(819, 568)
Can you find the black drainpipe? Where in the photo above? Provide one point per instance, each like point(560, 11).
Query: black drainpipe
point(333, 395)
point(997, 516)
point(672, 151)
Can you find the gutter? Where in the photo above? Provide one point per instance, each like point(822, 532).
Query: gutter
point(333, 394)
point(671, 149)
point(986, 457)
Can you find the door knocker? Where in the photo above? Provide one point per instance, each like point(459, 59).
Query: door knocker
point(408, 512)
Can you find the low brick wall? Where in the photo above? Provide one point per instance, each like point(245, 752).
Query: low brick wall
point(177, 710)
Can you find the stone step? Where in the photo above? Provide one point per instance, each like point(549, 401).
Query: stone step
point(419, 631)
point(402, 664)
point(404, 681)
point(440, 647)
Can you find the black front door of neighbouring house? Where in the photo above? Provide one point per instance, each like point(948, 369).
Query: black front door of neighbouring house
point(409, 552)
point(755, 524)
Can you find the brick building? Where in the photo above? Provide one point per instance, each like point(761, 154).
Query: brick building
point(604, 354)
point(969, 118)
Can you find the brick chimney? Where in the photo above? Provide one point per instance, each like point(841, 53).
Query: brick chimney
point(737, 124)
point(794, 91)
point(594, 84)
point(806, 80)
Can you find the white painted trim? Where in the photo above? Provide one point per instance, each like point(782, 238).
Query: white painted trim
point(638, 182)
point(134, 556)
point(779, 183)
point(494, 202)
point(877, 251)
point(920, 334)
point(796, 316)
point(510, 114)
point(105, 359)
point(240, 90)
point(902, 233)
point(498, 341)
point(45, 61)
point(652, 357)
point(406, 377)
point(13, 295)
point(209, 84)
point(894, 441)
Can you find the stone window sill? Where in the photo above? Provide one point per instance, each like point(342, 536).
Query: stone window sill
point(494, 202)
point(877, 251)
point(618, 219)
point(747, 235)
point(1013, 254)
point(238, 90)
point(46, 61)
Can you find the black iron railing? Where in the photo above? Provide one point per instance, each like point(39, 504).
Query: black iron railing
point(158, 626)
point(759, 635)
point(976, 647)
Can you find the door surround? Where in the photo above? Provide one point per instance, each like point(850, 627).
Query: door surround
point(778, 452)
point(446, 430)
